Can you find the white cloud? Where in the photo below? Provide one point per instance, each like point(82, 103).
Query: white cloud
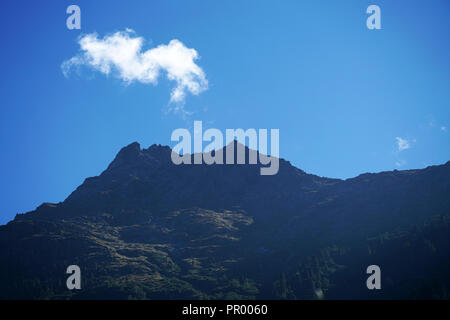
point(444, 128)
point(400, 163)
point(122, 55)
point(402, 144)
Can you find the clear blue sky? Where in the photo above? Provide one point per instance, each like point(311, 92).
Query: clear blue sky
point(339, 93)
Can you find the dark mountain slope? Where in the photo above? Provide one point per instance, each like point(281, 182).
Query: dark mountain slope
point(146, 228)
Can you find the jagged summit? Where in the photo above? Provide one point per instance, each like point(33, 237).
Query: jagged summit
point(147, 180)
point(147, 228)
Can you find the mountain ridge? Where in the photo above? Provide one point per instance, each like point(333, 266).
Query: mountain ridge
point(225, 231)
point(134, 148)
point(138, 163)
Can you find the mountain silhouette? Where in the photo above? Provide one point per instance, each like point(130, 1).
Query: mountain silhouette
point(146, 228)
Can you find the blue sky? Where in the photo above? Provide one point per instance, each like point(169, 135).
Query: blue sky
point(340, 94)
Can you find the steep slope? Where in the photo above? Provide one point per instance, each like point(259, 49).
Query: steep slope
point(146, 228)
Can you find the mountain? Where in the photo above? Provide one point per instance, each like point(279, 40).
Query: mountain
point(148, 229)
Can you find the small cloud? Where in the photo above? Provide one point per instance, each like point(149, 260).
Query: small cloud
point(400, 163)
point(121, 54)
point(402, 144)
point(444, 128)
